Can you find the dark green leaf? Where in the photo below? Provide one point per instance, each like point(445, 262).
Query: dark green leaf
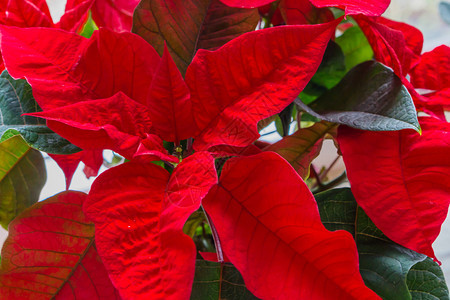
point(22, 176)
point(330, 72)
point(186, 26)
point(384, 265)
point(369, 97)
point(218, 281)
point(355, 47)
point(16, 99)
point(426, 281)
point(444, 10)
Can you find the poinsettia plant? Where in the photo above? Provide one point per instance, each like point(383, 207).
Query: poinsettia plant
point(199, 206)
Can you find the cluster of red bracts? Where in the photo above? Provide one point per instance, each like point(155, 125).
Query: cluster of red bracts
point(114, 91)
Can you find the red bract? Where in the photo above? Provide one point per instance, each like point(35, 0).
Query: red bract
point(116, 15)
point(271, 231)
point(297, 12)
point(400, 179)
point(50, 253)
point(394, 44)
point(68, 163)
point(251, 78)
point(353, 7)
point(139, 231)
point(246, 3)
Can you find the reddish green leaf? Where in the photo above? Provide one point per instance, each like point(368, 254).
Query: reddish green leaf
point(116, 15)
point(353, 7)
point(271, 231)
point(251, 78)
point(22, 176)
point(50, 254)
point(139, 230)
point(169, 102)
point(400, 179)
point(300, 148)
point(297, 12)
point(187, 26)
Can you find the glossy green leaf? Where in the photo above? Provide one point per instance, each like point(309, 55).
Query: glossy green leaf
point(369, 97)
point(218, 281)
point(355, 47)
point(188, 25)
point(384, 265)
point(16, 98)
point(89, 27)
point(426, 281)
point(22, 176)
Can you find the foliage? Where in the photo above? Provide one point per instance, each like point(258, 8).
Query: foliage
point(195, 205)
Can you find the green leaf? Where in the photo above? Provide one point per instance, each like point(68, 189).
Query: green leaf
point(384, 265)
point(369, 97)
point(355, 47)
point(186, 26)
point(330, 72)
point(16, 98)
point(218, 281)
point(426, 281)
point(22, 176)
point(89, 27)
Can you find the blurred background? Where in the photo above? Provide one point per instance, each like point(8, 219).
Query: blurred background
point(432, 17)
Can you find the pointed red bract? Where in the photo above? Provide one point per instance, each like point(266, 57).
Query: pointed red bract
point(298, 12)
point(250, 78)
point(271, 231)
point(353, 7)
point(139, 231)
point(50, 254)
point(116, 15)
point(389, 42)
point(65, 68)
point(169, 102)
point(92, 159)
point(117, 123)
point(433, 70)
point(400, 179)
point(75, 15)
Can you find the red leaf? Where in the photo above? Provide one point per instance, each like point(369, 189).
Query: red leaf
point(402, 182)
point(433, 70)
point(92, 159)
point(271, 231)
point(186, 26)
point(139, 230)
point(117, 123)
point(298, 12)
point(353, 7)
point(169, 102)
point(50, 253)
point(250, 78)
point(246, 3)
point(116, 15)
point(31, 13)
point(65, 68)
point(75, 14)
point(389, 42)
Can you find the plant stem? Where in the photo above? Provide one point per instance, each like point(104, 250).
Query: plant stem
point(216, 238)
